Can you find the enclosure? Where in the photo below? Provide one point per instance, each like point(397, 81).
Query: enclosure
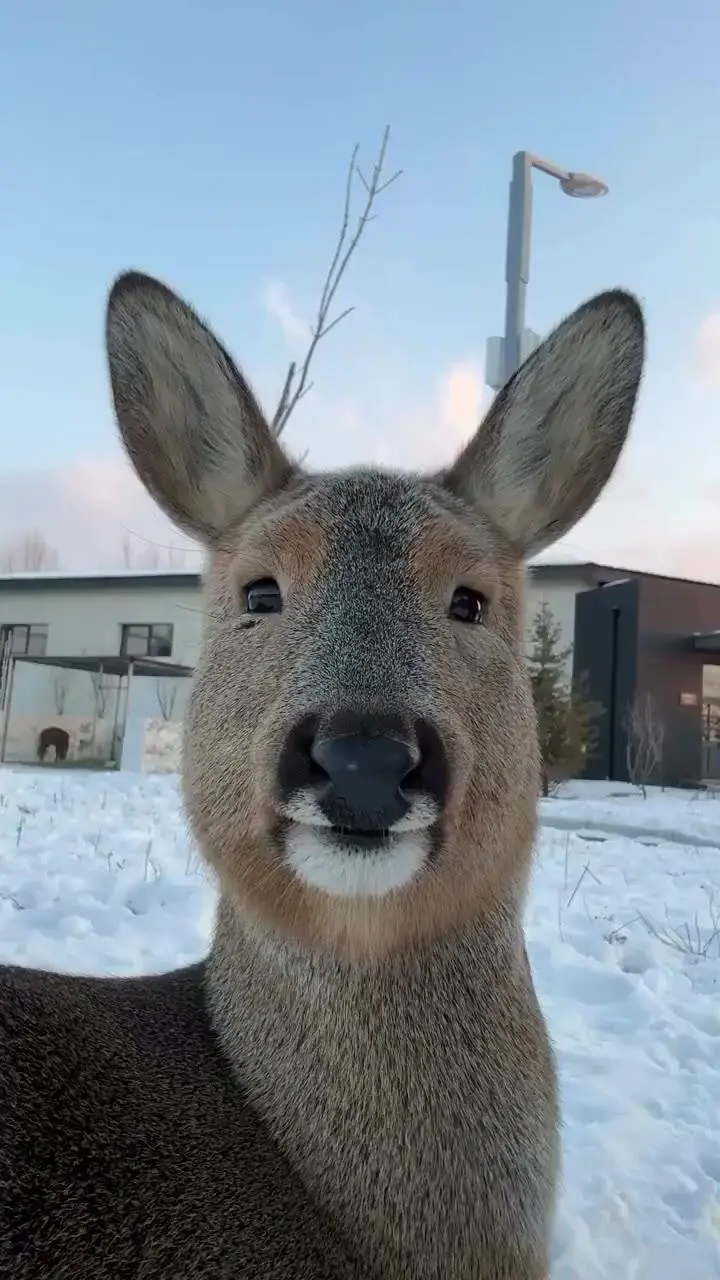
point(90, 711)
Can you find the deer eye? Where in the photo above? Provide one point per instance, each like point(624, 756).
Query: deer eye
point(467, 606)
point(263, 596)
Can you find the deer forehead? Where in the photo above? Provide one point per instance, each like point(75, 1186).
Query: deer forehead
point(395, 537)
point(367, 563)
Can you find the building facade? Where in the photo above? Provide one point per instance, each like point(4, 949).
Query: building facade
point(144, 614)
point(629, 634)
point(158, 613)
point(650, 645)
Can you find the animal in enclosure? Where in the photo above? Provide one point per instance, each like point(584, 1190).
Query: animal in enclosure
point(53, 736)
point(357, 1081)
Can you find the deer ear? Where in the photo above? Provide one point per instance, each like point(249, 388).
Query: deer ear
point(555, 431)
point(190, 423)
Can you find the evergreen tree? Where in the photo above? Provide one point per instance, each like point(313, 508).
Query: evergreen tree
point(564, 716)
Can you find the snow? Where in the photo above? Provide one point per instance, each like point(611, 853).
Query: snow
point(97, 875)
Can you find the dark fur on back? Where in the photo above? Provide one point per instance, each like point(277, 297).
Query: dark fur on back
point(55, 737)
point(127, 1149)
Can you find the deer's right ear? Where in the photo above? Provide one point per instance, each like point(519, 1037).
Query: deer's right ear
point(190, 423)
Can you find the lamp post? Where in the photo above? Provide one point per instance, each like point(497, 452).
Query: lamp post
point(507, 353)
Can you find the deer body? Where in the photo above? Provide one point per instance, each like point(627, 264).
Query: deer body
point(127, 1151)
point(365, 1074)
point(361, 772)
point(55, 737)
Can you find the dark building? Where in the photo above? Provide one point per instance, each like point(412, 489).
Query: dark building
point(646, 636)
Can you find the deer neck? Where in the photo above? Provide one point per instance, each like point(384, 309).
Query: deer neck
point(406, 1095)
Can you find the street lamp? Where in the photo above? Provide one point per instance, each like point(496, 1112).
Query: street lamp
point(506, 353)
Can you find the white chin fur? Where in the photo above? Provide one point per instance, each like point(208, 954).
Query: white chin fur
point(323, 863)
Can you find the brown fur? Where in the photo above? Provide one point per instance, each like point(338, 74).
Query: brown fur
point(53, 736)
point(126, 1151)
point(390, 1047)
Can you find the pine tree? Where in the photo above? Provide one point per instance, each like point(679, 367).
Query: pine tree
point(564, 716)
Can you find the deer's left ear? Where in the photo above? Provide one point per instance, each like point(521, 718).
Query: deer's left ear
point(552, 437)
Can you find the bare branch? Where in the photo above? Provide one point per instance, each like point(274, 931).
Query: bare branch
point(60, 692)
point(696, 940)
point(166, 694)
point(285, 394)
point(102, 685)
point(29, 553)
point(127, 552)
point(152, 555)
point(297, 382)
point(644, 742)
point(329, 327)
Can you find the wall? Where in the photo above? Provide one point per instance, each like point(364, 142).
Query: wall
point(635, 639)
point(87, 618)
point(560, 599)
point(162, 744)
point(668, 666)
point(86, 615)
point(89, 740)
point(605, 660)
point(151, 746)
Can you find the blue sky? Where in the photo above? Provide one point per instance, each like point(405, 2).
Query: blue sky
point(207, 144)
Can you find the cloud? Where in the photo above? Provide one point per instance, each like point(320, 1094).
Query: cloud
point(85, 511)
point(707, 350)
point(462, 399)
point(89, 508)
point(278, 303)
point(694, 557)
point(429, 432)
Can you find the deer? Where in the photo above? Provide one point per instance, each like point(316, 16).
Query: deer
point(53, 736)
point(357, 1081)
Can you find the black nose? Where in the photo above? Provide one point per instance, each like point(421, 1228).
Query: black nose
point(363, 776)
point(364, 771)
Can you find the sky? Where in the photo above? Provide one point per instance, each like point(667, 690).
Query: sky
point(208, 144)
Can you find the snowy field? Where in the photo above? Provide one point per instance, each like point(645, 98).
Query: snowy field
point(96, 875)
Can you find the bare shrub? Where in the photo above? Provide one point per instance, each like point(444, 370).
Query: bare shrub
point(693, 938)
point(60, 692)
point(101, 687)
point(166, 694)
point(29, 553)
point(139, 553)
point(645, 742)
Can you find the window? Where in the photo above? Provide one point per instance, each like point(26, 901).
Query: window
point(146, 640)
point(25, 637)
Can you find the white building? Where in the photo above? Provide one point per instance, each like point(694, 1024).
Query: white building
point(86, 621)
point(95, 623)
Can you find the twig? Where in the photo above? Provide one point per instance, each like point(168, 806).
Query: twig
point(688, 939)
point(296, 384)
point(585, 872)
point(621, 928)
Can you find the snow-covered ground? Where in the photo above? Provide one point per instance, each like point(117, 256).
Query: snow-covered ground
point(97, 875)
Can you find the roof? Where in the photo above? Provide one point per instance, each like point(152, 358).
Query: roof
point(602, 574)
point(47, 579)
point(111, 664)
point(591, 572)
point(94, 580)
